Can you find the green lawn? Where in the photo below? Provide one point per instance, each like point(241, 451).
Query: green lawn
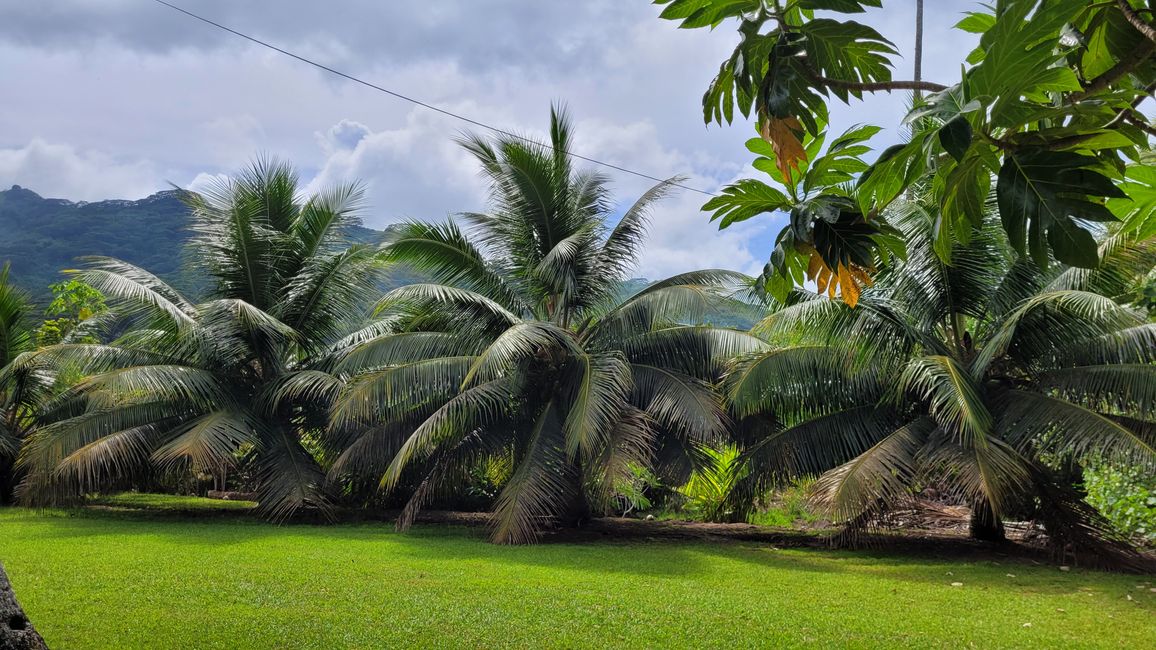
point(106, 579)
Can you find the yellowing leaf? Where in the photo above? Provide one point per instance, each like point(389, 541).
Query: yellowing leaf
point(847, 280)
point(849, 285)
point(783, 136)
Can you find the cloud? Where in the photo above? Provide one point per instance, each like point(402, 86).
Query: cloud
point(59, 170)
point(140, 95)
point(682, 239)
point(413, 171)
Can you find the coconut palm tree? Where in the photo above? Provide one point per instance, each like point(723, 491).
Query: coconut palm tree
point(984, 375)
point(20, 388)
point(523, 348)
point(203, 384)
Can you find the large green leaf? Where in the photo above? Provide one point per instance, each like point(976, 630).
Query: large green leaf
point(847, 51)
point(745, 199)
point(1040, 194)
point(1023, 56)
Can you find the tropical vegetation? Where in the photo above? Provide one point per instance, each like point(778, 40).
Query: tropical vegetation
point(1046, 107)
point(211, 385)
point(966, 311)
point(989, 377)
point(19, 388)
point(523, 350)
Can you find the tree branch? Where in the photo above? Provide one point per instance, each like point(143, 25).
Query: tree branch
point(1137, 120)
point(1136, 21)
point(1122, 68)
point(875, 87)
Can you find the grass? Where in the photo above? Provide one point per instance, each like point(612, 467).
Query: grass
point(170, 503)
point(95, 579)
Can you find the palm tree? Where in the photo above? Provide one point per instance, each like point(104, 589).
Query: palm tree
point(20, 388)
point(988, 376)
point(209, 385)
point(522, 348)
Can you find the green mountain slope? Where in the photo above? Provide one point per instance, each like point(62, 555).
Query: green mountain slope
point(41, 237)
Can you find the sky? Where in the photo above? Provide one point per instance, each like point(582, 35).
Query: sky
point(120, 99)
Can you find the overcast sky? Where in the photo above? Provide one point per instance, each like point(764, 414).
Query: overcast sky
point(118, 98)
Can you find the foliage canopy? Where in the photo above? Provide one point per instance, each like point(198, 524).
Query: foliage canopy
point(1046, 107)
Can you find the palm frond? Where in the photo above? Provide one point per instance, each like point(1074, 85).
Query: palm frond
point(598, 391)
point(624, 244)
point(1030, 420)
point(444, 251)
point(698, 351)
point(1045, 321)
point(540, 485)
point(461, 415)
point(289, 478)
point(208, 441)
point(440, 293)
point(384, 394)
point(518, 343)
point(679, 403)
point(953, 397)
point(882, 473)
point(139, 292)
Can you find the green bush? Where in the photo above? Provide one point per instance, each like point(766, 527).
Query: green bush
point(1126, 496)
point(709, 489)
point(632, 494)
point(787, 507)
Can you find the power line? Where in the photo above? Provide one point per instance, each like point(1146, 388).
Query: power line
point(418, 102)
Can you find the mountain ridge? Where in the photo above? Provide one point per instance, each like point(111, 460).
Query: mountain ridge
point(41, 237)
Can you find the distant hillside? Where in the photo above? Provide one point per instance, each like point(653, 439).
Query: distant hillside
point(41, 237)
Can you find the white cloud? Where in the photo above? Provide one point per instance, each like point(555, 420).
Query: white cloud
point(141, 95)
point(62, 171)
point(414, 171)
point(682, 239)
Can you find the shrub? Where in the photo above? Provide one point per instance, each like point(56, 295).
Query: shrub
point(1126, 496)
point(708, 492)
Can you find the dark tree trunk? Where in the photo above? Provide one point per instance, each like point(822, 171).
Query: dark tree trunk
point(7, 482)
point(577, 511)
point(984, 524)
point(16, 632)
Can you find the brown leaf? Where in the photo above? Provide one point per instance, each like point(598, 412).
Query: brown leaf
point(784, 137)
point(850, 287)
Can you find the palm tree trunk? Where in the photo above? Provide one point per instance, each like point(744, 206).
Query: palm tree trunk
point(578, 510)
point(984, 524)
point(918, 44)
point(7, 482)
point(16, 633)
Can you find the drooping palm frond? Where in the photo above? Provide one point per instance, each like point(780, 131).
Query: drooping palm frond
point(23, 383)
point(459, 416)
point(882, 473)
point(597, 398)
point(540, 486)
point(522, 348)
point(242, 377)
point(447, 254)
point(969, 374)
point(952, 396)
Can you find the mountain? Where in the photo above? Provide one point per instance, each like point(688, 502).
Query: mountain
point(41, 237)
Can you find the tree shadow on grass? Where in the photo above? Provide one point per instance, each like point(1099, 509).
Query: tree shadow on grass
point(587, 551)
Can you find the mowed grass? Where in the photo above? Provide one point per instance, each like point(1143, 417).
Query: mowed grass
point(110, 580)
